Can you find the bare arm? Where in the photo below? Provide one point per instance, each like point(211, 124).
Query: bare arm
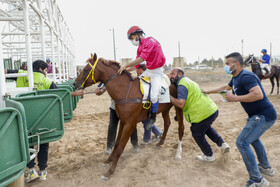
point(131, 68)
point(131, 64)
point(225, 87)
point(78, 93)
point(254, 94)
point(180, 103)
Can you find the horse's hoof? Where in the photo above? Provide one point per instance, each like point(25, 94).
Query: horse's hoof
point(178, 157)
point(104, 178)
point(159, 143)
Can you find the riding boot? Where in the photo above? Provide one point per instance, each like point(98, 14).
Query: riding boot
point(153, 115)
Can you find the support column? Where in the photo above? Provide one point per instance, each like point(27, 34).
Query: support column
point(25, 5)
point(2, 77)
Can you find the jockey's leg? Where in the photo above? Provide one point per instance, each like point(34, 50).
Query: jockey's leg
point(267, 70)
point(155, 86)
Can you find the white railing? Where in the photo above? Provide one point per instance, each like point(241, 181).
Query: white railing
point(31, 30)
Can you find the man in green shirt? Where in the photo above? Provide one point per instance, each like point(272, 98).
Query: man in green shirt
point(200, 111)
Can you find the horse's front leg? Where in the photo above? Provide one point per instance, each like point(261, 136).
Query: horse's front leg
point(126, 133)
point(166, 119)
point(181, 128)
point(112, 155)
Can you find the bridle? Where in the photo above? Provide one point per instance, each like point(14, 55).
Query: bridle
point(92, 75)
point(91, 72)
point(250, 59)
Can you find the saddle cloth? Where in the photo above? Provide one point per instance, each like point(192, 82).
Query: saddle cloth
point(145, 84)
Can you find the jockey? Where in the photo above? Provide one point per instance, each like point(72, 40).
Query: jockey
point(265, 61)
point(149, 50)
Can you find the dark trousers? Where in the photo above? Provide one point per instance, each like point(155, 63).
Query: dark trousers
point(112, 130)
point(42, 157)
point(204, 127)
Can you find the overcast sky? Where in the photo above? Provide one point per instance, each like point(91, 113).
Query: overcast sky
point(204, 28)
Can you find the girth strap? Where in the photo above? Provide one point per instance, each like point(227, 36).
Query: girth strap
point(126, 101)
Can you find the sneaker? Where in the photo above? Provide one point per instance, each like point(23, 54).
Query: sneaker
point(252, 183)
point(266, 171)
point(108, 150)
point(205, 158)
point(32, 175)
point(43, 175)
point(224, 147)
point(157, 138)
point(145, 142)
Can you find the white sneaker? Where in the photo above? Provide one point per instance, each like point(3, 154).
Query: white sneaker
point(205, 158)
point(108, 151)
point(224, 148)
point(43, 175)
point(32, 175)
point(252, 183)
point(267, 171)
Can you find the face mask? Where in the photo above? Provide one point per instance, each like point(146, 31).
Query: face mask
point(134, 42)
point(227, 69)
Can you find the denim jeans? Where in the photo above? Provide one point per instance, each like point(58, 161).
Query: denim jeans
point(112, 130)
point(147, 133)
point(250, 134)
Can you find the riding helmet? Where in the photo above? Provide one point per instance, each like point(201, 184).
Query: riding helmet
point(133, 30)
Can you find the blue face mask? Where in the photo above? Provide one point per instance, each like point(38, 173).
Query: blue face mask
point(227, 69)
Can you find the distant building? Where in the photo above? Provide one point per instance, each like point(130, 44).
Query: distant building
point(125, 61)
point(179, 62)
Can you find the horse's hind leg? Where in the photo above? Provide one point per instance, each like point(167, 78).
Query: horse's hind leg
point(166, 119)
point(126, 133)
point(277, 82)
point(272, 84)
point(181, 128)
point(112, 155)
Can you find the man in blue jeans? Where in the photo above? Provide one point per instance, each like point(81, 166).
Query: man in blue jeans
point(261, 116)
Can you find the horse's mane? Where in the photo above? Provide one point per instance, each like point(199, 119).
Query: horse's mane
point(110, 63)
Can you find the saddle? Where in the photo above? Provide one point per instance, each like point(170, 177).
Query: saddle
point(145, 87)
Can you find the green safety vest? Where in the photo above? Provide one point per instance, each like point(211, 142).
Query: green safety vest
point(198, 106)
point(40, 81)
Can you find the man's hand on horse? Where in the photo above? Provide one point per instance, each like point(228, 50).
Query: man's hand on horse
point(231, 98)
point(122, 69)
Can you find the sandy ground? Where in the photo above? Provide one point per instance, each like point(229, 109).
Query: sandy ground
point(76, 160)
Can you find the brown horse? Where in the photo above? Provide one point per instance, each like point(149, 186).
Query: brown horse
point(126, 92)
point(256, 68)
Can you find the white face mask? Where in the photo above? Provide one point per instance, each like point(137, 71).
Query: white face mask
point(134, 42)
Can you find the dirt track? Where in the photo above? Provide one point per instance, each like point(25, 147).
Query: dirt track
point(76, 159)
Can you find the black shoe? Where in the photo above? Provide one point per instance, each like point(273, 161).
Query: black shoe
point(152, 121)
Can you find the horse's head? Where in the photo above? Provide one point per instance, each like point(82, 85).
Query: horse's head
point(86, 77)
point(250, 60)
